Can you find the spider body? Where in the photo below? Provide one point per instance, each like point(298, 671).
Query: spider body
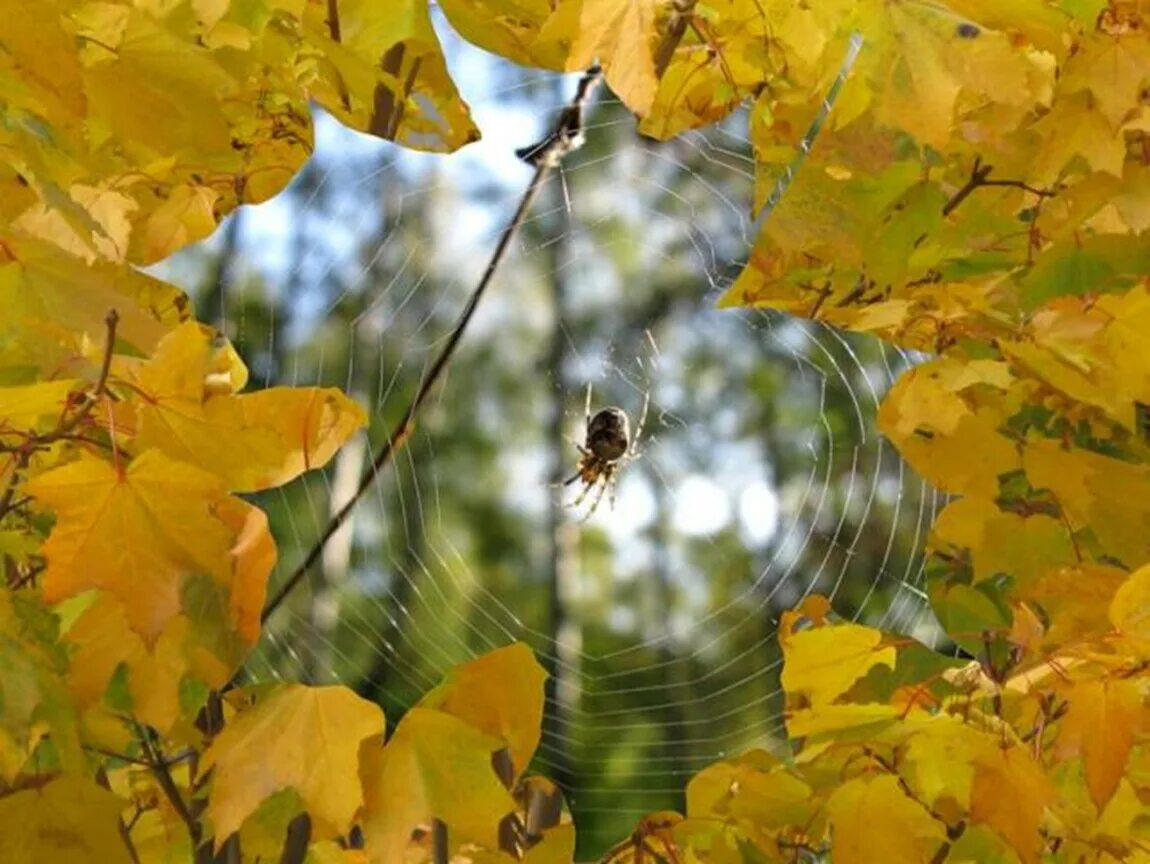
point(609, 435)
point(607, 446)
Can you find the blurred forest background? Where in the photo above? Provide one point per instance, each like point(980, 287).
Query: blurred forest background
point(761, 477)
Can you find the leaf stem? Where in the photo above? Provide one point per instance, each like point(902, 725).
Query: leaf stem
point(682, 11)
point(560, 142)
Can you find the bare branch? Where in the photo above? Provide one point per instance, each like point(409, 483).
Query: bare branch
point(562, 140)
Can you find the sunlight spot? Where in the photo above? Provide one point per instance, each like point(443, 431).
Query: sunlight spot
point(701, 507)
point(759, 512)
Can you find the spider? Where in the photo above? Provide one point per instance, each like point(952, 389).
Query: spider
point(607, 446)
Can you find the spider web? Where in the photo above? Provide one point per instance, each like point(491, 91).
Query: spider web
point(760, 477)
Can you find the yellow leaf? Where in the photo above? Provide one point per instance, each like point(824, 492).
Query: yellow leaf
point(186, 216)
point(830, 720)
point(68, 819)
point(556, 847)
point(751, 786)
point(1025, 547)
point(621, 34)
point(821, 664)
point(380, 70)
point(1101, 724)
point(52, 300)
point(1083, 483)
point(1010, 794)
point(933, 415)
point(872, 819)
point(1111, 67)
point(137, 532)
point(529, 33)
point(101, 640)
point(940, 759)
point(1074, 600)
point(1130, 608)
point(303, 738)
point(32, 690)
point(723, 57)
point(252, 441)
point(102, 231)
point(1074, 127)
point(434, 767)
point(34, 407)
point(43, 51)
point(922, 55)
point(501, 695)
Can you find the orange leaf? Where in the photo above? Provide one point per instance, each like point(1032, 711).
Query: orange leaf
point(1010, 794)
point(1101, 724)
point(137, 532)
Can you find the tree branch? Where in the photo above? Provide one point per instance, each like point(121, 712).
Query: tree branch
point(562, 140)
point(979, 176)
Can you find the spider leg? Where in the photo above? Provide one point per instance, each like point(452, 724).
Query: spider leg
point(603, 481)
point(587, 408)
point(571, 479)
point(583, 494)
point(633, 450)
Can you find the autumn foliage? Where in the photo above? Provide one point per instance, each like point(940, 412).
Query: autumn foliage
point(980, 192)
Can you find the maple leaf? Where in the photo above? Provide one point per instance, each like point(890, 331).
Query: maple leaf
point(1101, 724)
point(302, 738)
point(723, 57)
point(501, 695)
point(822, 663)
point(380, 70)
point(1130, 609)
point(138, 532)
point(269, 437)
point(751, 786)
point(872, 819)
point(530, 34)
point(66, 819)
point(622, 35)
point(435, 766)
point(102, 642)
point(52, 300)
point(1083, 483)
point(1009, 793)
point(31, 693)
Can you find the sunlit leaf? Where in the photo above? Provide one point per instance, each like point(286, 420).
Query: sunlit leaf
point(303, 738)
point(500, 694)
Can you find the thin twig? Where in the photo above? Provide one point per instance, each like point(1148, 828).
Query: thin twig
point(67, 422)
point(168, 785)
point(559, 142)
point(979, 176)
